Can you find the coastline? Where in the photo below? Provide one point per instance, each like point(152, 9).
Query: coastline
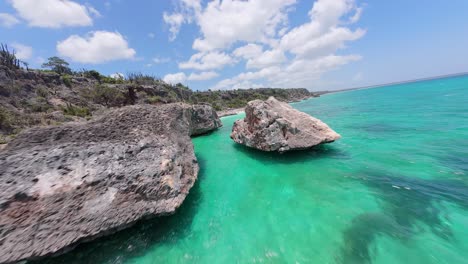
point(235, 111)
point(322, 93)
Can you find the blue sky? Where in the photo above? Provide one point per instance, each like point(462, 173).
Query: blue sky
point(319, 45)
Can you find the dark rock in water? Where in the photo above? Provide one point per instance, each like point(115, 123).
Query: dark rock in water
point(63, 185)
point(272, 125)
point(204, 120)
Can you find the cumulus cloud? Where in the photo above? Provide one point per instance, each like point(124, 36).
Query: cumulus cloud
point(203, 76)
point(117, 75)
point(248, 51)
point(266, 59)
point(23, 52)
point(296, 74)
point(248, 21)
point(8, 20)
point(260, 33)
point(207, 61)
point(54, 13)
point(175, 78)
point(312, 45)
point(187, 10)
point(96, 47)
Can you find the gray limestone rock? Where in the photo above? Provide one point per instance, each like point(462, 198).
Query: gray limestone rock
point(63, 185)
point(272, 125)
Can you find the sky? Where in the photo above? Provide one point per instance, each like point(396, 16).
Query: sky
point(231, 44)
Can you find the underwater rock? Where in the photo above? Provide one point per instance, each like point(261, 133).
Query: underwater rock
point(272, 125)
point(68, 184)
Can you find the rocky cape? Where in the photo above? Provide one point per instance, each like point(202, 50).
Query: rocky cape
point(272, 125)
point(64, 185)
point(32, 97)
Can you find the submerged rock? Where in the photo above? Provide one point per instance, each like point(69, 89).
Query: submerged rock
point(63, 185)
point(272, 125)
point(204, 120)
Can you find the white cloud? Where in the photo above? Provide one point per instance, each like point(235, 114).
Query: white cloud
point(7, 20)
point(151, 35)
point(207, 61)
point(355, 18)
point(175, 78)
point(158, 60)
point(267, 59)
point(249, 21)
point(248, 51)
point(23, 52)
point(117, 75)
point(175, 21)
point(203, 76)
point(96, 47)
point(259, 30)
point(300, 73)
point(188, 9)
point(54, 13)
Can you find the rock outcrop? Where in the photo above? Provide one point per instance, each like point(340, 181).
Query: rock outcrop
point(204, 120)
point(272, 125)
point(63, 185)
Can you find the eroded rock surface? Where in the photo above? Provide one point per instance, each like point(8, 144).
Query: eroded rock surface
point(272, 125)
point(63, 185)
point(204, 120)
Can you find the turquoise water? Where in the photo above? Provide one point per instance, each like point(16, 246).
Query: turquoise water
point(394, 189)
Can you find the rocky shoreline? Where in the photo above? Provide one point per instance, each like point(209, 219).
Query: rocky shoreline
point(64, 185)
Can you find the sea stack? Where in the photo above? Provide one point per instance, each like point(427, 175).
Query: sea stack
point(63, 185)
point(272, 125)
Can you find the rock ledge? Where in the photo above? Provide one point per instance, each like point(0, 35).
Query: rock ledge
point(64, 185)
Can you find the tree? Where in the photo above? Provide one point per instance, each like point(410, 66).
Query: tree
point(58, 65)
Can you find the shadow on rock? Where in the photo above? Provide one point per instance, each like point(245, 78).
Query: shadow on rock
point(406, 202)
point(140, 238)
point(297, 156)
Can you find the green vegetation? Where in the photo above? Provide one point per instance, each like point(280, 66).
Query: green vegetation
point(76, 110)
point(8, 58)
point(36, 97)
point(6, 120)
point(142, 79)
point(107, 96)
point(42, 92)
point(66, 79)
point(57, 65)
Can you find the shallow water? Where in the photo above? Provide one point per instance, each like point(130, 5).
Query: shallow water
point(394, 189)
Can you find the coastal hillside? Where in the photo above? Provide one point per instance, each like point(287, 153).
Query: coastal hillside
point(30, 97)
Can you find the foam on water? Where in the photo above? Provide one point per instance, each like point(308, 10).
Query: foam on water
point(394, 189)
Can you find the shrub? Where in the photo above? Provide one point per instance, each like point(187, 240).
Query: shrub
point(76, 110)
point(66, 79)
point(93, 74)
point(142, 79)
point(5, 119)
point(108, 96)
point(8, 58)
point(154, 99)
point(39, 105)
point(42, 92)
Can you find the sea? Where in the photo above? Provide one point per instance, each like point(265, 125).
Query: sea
point(393, 189)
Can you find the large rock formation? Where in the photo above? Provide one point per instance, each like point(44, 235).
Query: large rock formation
point(63, 185)
point(272, 125)
point(204, 120)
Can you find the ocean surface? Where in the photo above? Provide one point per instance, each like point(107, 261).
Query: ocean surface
point(394, 189)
